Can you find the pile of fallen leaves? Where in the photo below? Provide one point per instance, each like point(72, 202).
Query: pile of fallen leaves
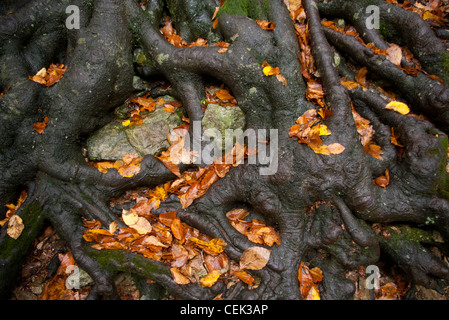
point(127, 167)
point(193, 256)
point(433, 11)
point(48, 77)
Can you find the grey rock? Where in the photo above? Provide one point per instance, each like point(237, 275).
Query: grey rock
point(151, 136)
point(109, 143)
point(219, 118)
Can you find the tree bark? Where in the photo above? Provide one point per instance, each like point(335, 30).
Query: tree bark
point(324, 207)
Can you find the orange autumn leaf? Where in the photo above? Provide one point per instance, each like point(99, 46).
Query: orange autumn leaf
point(177, 229)
point(50, 76)
point(223, 94)
point(214, 246)
point(394, 138)
point(383, 181)
point(169, 108)
point(266, 25)
point(245, 277)
point(348, 84)
point(167, 217)
point(146, 103)
point(308, 279)
point(178, 277)
point(40, 126)
point(361, 76)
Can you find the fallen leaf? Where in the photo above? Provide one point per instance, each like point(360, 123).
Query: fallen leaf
point(223, 94)
point(254, 258)
point(348, 84)
point(335, 148)
point(214, 246)
point(397, 106)
point(244, 276)
point(266, 25)
point(308, 279)
point(40, 126)
point(383, 180)
point(178, 277)
point(12, 208)
point(15, 227)
point(394, 54)
point(361, 76)
point(50, 76)
point(210, 279)
point(132, 220)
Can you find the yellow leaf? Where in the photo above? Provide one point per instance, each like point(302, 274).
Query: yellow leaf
point(126, 123)
point(397, 106)
point(324, 131)
point(313, 294)
point(269, 71)
point(15, 227)
point(210, 279)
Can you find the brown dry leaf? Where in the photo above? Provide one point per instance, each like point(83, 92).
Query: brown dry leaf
point(269, 70)
point(40, 126)
point(210, 279)
point(176, 153)
point(254, 258)
point(129, 165)
point(178, 277)
point(15, 227)
point(266, 25)
point(361, 76)
point(394, 54)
